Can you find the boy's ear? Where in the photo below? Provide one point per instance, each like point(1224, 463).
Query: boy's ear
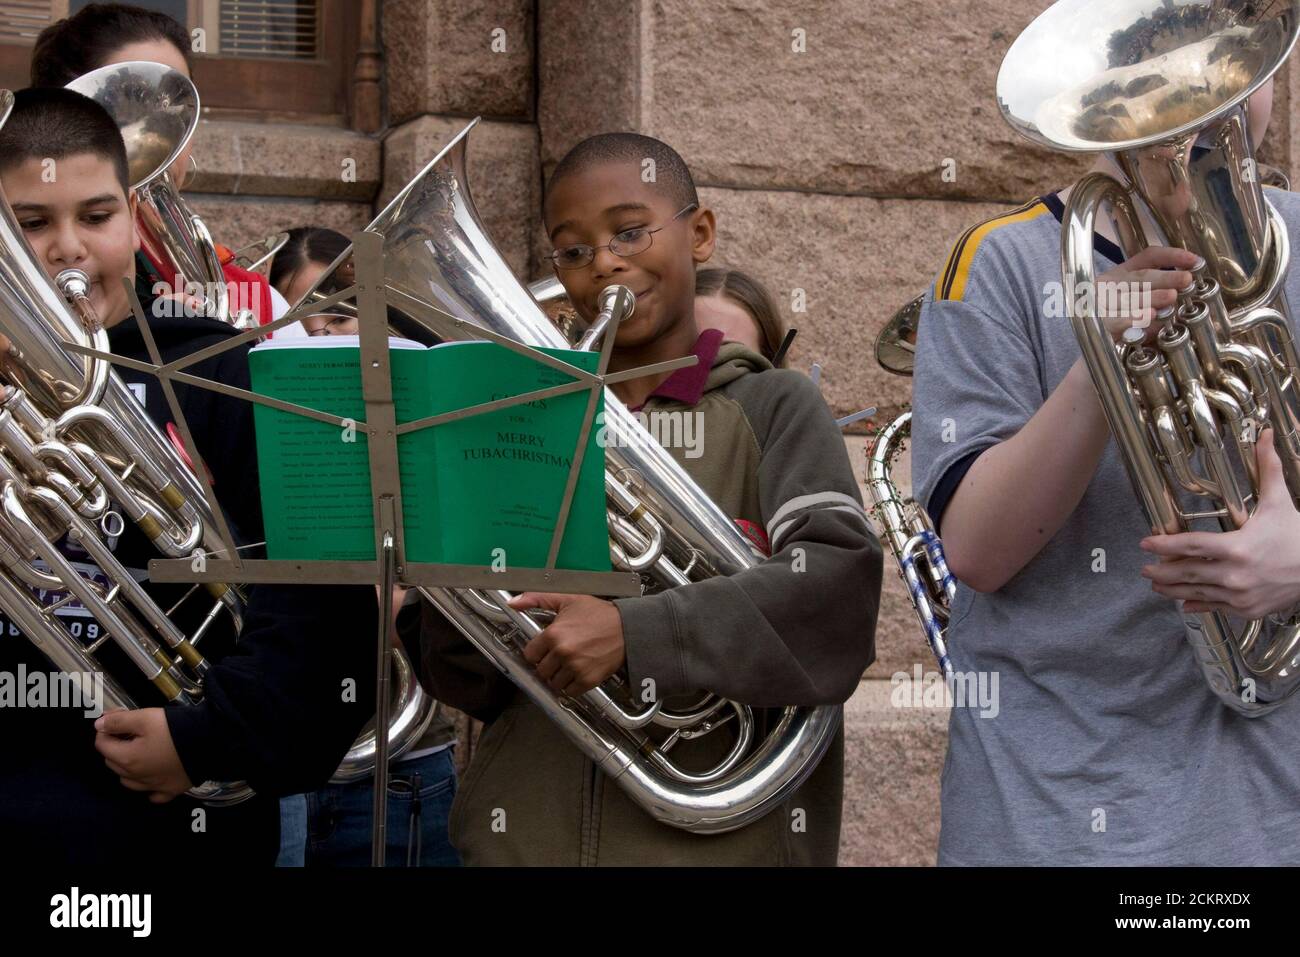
point(135, 230)
point(704, 234)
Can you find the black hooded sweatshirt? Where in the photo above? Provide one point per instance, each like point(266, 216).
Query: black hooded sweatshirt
point(282, 704)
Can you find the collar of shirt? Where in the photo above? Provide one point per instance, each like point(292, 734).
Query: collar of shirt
point(1099, 242)
point(687, 385)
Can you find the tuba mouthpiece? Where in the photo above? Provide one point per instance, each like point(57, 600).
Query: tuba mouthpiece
point(73, 283)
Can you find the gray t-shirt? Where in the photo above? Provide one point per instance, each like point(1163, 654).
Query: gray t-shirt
point(1107, 747)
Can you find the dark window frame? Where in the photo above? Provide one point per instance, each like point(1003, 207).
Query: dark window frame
point(317, 90)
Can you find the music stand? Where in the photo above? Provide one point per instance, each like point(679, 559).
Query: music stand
point(389, 568)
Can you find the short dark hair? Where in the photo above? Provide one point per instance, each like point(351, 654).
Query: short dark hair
point(75, 45)
point(317, 244)
point(57, 123)
point(671, 172)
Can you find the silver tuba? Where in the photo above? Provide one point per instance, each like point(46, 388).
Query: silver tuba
point(75, 445)
point(905, 527)
point(157, 110)
point(412, 712)
point(443, 269)
point(1161, 88)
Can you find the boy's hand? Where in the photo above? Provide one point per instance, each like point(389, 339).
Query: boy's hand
point(137, 747)
point(579, 649)
point(174, 304)
point(1251, 572)
point(1159, 272)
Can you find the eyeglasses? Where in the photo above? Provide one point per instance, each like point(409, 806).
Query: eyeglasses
point(335, 326)
point(627, 243)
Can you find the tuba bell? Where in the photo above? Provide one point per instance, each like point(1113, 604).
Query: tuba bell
point(444, 271)
point(74, 446)
point(1161, 89)
point(156, 109)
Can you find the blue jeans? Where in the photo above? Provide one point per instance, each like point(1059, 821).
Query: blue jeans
point(331, 827)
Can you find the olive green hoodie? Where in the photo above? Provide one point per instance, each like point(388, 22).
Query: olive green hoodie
point(798, 629)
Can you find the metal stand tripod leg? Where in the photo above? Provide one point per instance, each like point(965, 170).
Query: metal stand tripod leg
point(379, 832)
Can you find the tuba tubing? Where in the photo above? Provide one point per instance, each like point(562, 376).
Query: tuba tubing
point(910, 536)
point(1230, 660)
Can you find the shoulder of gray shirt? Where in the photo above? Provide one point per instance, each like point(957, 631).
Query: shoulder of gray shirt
point(997, 278)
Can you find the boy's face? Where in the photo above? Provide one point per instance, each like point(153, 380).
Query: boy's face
point(79, 219)
point(605, 200)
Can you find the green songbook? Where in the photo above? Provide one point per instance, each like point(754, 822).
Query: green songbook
point(480, 490)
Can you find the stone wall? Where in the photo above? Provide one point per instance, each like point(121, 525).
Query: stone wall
point(843, 146)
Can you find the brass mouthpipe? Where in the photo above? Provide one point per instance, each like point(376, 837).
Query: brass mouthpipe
point(75, 286)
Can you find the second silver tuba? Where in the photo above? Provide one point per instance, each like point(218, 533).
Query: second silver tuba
point(156, 109)
point(905, 526)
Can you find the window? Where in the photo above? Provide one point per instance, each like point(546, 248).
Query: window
point(269, 57)
point(21, 20)
point(264, 28)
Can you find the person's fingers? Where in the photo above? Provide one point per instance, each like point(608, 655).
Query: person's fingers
point(579, 687)
point(1207, 607)
point(538, 647)
point(549, 665)
point(1160, 279)
point(562, 680)
point(1272, 479)
point(114, 748)
point(543, 600)
point(120, 722)
point(1182, 571)
point(1216, 545)
point(1162, 257)
point(1207, 593)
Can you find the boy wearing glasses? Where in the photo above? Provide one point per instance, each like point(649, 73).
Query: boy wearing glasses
point(797, 629)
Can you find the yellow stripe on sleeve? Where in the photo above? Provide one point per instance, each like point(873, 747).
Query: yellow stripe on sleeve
point(952, 283)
